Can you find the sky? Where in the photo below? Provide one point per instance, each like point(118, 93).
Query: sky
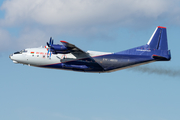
point(31, 93)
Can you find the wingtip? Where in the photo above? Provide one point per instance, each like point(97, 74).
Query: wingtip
point(63, 41)
point(161, 27)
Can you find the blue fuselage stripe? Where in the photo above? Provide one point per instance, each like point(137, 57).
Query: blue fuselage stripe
point(102, 63)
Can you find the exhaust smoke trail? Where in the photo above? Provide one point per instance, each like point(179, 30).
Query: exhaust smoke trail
point(157, 70)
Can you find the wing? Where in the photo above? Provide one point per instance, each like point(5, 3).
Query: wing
point(78, 53)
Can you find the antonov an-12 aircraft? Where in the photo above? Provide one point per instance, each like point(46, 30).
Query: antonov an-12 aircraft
point(69, 57)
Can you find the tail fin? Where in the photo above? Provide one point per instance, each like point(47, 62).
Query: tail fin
point(158, 43)
point(158, 40)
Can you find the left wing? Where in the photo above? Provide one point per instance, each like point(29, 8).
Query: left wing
point(78, 53)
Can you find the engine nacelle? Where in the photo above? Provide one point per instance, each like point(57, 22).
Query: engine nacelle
point(55, 49)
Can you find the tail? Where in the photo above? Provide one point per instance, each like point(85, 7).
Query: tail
point(158, 42)
point(159, 39)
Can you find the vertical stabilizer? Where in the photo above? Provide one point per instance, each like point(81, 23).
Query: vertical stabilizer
point(158, 39)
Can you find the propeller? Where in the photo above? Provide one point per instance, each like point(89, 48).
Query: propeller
point(49, 46)
point(50, 42)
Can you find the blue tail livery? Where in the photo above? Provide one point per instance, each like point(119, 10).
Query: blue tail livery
point(69, 57)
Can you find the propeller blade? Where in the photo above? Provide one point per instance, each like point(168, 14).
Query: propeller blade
point(50, 56)
point(48, 52)
point(50, 41)
point(50, 46)
point(47, 44)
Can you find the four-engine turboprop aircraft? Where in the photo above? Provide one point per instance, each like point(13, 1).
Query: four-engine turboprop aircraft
point(70, 57)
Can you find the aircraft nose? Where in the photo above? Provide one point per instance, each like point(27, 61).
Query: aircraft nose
point(10, 56)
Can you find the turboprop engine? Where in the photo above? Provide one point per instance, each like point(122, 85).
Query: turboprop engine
point(56, 48)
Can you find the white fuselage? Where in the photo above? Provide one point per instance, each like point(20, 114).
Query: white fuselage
point(39, 57)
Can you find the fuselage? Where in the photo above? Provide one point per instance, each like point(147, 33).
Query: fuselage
point(39, 57)
point(70, 57)
point(98, 61)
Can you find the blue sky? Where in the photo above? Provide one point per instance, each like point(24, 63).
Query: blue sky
point(30, 93)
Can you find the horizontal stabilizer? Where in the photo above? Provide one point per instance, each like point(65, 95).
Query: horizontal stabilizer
point(160, 58)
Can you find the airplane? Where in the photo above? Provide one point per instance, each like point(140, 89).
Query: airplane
point(69, 57)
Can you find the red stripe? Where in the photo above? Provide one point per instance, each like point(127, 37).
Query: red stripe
point(32, 52)
point(161, 27)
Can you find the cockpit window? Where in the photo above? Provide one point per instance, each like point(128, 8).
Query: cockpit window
point(20, 52)
point(17, 53)
point(23, 51)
